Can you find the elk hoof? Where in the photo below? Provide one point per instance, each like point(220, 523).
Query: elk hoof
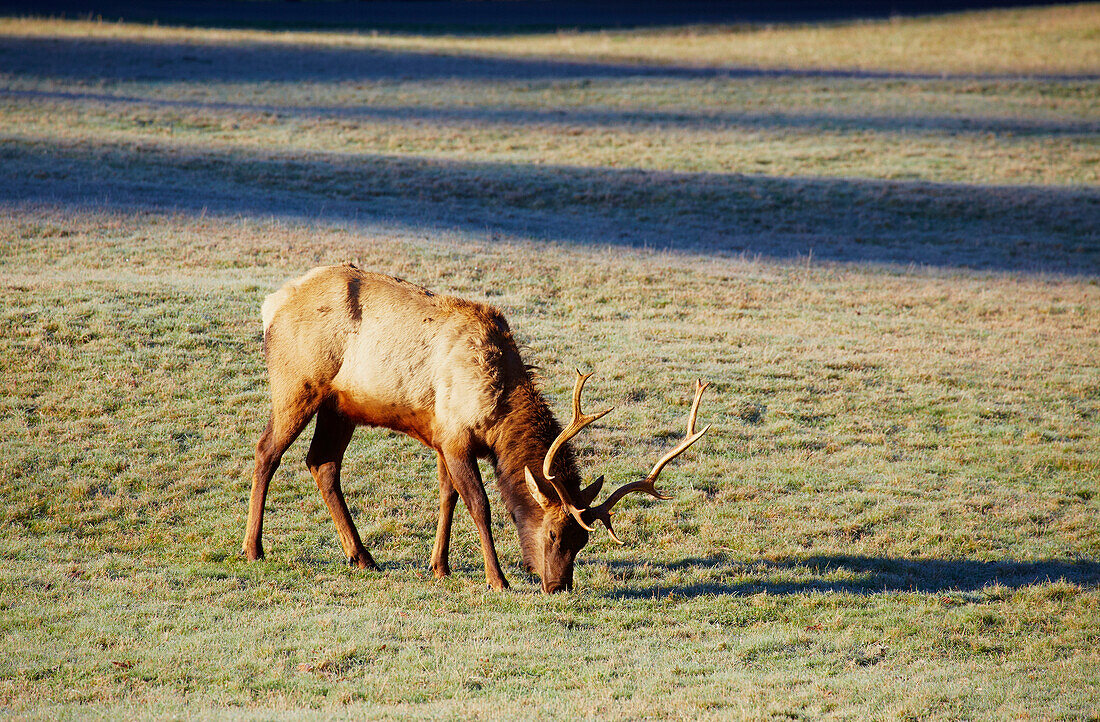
point(363, 562)
point(254, 555)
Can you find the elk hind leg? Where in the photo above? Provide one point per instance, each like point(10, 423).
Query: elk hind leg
point(324, 458)
point(286, 423)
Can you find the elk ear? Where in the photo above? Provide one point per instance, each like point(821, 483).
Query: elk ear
point(590, 492)
point(534, 489)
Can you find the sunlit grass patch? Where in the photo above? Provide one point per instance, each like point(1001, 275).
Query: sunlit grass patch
point(1018, 149)
point(864, 509)
point(1049, 40)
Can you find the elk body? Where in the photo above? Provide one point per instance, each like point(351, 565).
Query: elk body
point(357, 348)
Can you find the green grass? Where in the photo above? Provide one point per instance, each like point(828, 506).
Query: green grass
point(864, 512)
point(894, 516)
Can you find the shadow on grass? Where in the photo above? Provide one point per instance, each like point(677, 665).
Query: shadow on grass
point(98, 60)
point(944, 225)
point(606, 118)
point(720, 574)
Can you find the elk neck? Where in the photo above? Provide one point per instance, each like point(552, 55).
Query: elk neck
point(521, 438)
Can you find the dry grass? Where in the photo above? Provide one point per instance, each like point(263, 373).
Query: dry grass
point(1040, 41)
point(767, 142)
point(890, 282)
point(876, 526)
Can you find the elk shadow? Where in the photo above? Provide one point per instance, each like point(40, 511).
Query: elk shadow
point(720, 574)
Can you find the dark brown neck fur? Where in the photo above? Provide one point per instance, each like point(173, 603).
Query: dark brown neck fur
point(521, 439)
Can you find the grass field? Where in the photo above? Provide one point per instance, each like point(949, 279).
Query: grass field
point(883, 252)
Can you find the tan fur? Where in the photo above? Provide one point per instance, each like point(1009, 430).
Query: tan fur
point(360, 348)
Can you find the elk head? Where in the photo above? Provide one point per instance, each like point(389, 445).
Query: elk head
point(568, 519)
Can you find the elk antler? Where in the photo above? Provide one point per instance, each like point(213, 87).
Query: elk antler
point(578, 422)
point(603, 511)
point(566, 499)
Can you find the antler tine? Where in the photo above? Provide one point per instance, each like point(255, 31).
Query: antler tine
point(578, 422)
point(691, 437)
point(611, 532)
point(563, 494)
point(700, 387)
point(603, 511)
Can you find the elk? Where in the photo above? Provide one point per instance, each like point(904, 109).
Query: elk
point(358, 348)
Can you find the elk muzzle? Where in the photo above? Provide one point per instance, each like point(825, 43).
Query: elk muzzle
point(560, 585)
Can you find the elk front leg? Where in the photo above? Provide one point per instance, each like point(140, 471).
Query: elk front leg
point(466, 478)
point(326, 453)
point(448, 497)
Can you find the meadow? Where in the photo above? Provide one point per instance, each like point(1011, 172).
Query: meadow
point(882, 250)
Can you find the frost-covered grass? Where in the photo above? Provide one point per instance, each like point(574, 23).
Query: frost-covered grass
point(889, 282)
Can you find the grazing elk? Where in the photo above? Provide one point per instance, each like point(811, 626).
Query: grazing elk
point(357, 348)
